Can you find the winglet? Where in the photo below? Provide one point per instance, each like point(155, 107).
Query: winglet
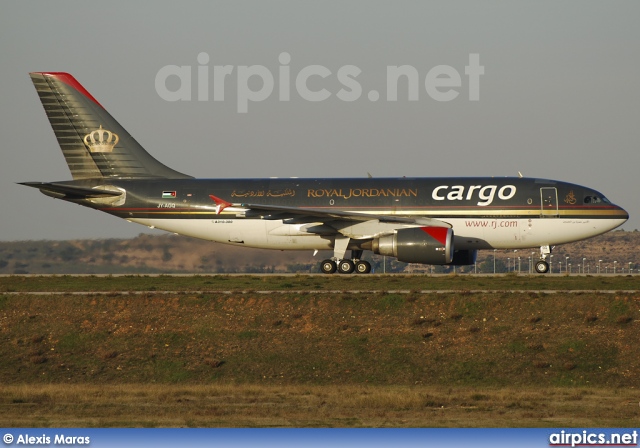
point(221, 204)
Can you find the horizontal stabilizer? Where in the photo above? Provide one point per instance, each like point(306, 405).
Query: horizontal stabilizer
point(71, 192)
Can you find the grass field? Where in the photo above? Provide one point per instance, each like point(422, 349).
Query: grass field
point(241, 405)
point(318, 282)
point(322, 358)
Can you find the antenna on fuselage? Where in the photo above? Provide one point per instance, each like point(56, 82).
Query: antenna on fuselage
point(520, 175)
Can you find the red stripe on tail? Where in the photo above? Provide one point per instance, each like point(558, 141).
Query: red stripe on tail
point(71, 81)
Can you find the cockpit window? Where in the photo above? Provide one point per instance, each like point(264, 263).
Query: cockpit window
point(592, 199)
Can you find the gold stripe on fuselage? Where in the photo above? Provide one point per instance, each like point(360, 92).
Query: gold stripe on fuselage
point(589, 213)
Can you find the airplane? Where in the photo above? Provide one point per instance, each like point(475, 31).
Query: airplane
point(429, 220)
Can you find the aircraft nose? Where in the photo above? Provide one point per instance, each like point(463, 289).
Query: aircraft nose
point(622, 213)
point(625, 213)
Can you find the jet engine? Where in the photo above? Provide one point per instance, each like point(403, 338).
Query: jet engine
point(428, 245)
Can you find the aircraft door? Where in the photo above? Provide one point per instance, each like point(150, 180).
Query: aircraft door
point(549, 202)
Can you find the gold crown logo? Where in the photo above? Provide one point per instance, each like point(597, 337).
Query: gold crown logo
point(101, 140)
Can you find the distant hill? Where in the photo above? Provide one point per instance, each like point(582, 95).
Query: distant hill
point(178, 254)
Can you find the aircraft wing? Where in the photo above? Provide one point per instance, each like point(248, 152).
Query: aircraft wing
point(352, 224)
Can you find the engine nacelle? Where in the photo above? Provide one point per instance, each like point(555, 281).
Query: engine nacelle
point(428, 245)
point(464, 257)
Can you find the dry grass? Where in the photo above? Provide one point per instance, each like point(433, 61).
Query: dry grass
point(312, 406)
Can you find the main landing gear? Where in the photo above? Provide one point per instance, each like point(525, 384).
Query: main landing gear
point(347, 266)
point(542, 267)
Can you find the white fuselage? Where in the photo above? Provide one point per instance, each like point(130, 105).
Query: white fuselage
point(470, 233)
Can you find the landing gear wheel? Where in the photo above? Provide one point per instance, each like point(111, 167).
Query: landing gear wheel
point(363, 267)
point(328, 267)
point(346, 267)
point(542, 267)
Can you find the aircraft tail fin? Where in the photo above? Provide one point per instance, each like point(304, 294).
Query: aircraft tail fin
point(92, 141)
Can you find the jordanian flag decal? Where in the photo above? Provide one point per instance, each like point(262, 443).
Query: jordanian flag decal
point(168, 195)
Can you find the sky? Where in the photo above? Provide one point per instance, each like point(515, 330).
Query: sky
point(559, 96)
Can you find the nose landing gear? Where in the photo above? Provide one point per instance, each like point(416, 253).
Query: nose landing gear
point(542, 267)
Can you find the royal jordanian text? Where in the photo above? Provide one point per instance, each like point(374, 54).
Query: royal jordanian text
point(58, 439)
point(361, 192)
